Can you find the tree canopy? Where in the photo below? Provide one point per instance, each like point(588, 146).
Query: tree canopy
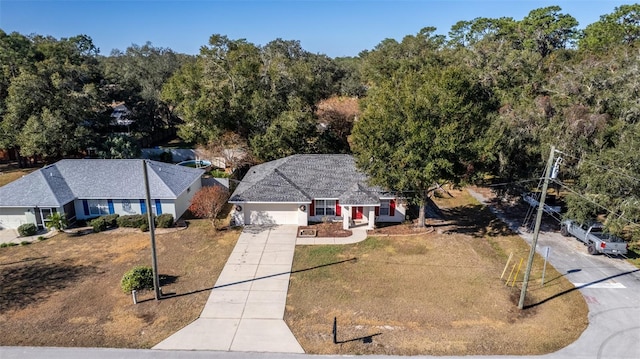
point(486, 101)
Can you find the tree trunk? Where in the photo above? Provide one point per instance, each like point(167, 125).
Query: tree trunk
point(422, 212)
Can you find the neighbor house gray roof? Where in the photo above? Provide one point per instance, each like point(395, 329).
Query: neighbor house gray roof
point(302, 178)
point(66, 180)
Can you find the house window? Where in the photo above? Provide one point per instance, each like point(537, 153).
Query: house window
point(325, 207)
point(384, 207)
point(98, 207)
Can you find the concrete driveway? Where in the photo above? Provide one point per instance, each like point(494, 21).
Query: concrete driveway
point(245, 311)
point(8, 235)
point(12, 236)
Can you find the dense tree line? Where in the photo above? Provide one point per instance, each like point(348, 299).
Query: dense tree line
point(486, 101)
point(56, 96)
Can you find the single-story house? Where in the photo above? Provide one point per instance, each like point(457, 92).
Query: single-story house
point(312, 188)
point(88, 188)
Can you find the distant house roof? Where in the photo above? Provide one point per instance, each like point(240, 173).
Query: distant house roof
point(302, 178)
point(66, 180)
point(120, 115)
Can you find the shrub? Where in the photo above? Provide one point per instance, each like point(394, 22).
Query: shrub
point(140, 277)
point(208, 202)
point(111, 220)
point(98, 224)
point(219, 174)
point(25, 243)
point(144, 227)
point(132, 221)
point(27, 229)
point(103, 222)
point(164, 220)
point(41, 238)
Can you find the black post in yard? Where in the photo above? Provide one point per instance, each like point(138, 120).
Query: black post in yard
point(335, 330)
point(154, 259)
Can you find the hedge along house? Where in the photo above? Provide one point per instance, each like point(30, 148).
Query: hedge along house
point(89, 188)
point(312, 188)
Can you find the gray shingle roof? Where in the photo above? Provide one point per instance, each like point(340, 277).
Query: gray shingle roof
point(301, 178)
point(65, 180)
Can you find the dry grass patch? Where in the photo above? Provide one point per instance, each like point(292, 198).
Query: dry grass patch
point(433, 294)
point(65, 291)
point(9, 174)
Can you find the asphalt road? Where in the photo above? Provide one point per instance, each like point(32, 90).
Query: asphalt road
point(610, 286)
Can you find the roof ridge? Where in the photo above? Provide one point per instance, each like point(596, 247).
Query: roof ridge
point(46, 180)
point(164, 184)
point(288, 180)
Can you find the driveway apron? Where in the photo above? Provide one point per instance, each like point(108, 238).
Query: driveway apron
point(245, 311)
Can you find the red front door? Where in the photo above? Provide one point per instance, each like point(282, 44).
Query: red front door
point(356, 212)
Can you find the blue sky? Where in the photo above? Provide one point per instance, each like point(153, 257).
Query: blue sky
point(331, 27)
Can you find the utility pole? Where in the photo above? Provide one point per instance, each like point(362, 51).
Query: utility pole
point(154, 258)
point(536, 230)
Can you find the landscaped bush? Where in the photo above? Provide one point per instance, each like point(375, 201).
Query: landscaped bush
point(111, 219)
point(144, 227)
point(140, 277)
point(132, 221)
point(27, 229)
point(98, 224)
point(102, 223)
point(219, 174)
point(164, 220)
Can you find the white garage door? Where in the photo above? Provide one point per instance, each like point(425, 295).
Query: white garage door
point(271, 214)
point(12, 217)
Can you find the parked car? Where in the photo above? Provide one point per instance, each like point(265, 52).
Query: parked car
point(594, 237)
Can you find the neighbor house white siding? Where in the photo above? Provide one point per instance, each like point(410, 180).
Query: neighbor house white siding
point(12, 218)
point(400, 211)
point(183, 201)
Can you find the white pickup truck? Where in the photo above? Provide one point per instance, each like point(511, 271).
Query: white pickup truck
point(592, 235)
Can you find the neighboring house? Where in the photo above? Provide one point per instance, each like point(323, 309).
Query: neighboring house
point(88, 188)
point(121, 115)
point(312, 188)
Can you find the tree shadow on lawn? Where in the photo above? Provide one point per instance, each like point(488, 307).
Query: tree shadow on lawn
point(176, 295)
point(33, 282)
point(475, 220)
point(479, 220)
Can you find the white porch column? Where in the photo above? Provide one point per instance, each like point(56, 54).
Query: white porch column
point(371, 219)
point(346, 212)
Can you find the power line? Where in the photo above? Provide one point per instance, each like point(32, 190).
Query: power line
point(595, 203)
point(604, 168)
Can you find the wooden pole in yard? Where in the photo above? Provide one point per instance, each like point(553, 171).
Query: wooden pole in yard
point(154, 257)
point(506, 265)
point(536, 231)
point(515, 277)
